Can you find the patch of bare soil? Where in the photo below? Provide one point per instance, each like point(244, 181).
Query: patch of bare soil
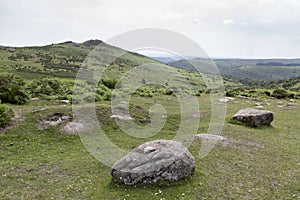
point(18, 117)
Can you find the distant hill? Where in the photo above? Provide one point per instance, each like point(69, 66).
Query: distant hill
point(167, 59)
point(250, 69)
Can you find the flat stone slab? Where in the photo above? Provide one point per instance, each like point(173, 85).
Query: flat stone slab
point(210, 137)
point(153, 161)
point(254, 117)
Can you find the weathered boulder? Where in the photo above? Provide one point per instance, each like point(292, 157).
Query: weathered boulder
point(253, 117)
point(153, 161)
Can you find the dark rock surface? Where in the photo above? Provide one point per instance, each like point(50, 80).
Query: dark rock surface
point(253, 117)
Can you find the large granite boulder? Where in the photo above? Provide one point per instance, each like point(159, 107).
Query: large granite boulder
point(253, 117)
point(153, 161)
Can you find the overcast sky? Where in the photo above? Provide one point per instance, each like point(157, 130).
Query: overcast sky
point(224, 28)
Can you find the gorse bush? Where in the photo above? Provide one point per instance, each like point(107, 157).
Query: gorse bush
point(280, 94)
point(5, 115)
point(12, 90)
point(49, 87)
point(84, 91)
point(110, 83)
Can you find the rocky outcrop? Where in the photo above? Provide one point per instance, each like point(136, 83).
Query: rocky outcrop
point(92, 43)
point(153, 161)
point(253, 117)
point(52, 120)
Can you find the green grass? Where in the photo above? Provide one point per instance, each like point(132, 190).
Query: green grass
point(260, 163)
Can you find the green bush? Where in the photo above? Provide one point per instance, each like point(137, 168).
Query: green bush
point(267, 93)
point(110, 83)
point(5, 115)
point(280, 94)
point(12, 90)
point(230, 94)
point(50, 88)
point(169, 92)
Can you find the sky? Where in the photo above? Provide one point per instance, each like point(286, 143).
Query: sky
point(223, 28)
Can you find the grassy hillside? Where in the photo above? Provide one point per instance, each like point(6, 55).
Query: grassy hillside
point(57, 64)
point(59, 60)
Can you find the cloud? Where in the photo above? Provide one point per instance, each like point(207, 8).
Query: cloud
point(48, 21)
point(228, 22)
point(196, 21)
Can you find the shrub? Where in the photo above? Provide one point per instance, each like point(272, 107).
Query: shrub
point(230, 94)
point(110, 83)
point(12, 90)
point(280, 94)
point(50, 88)
point(169, 92)
point(44, 87)
point(267, 93)
point(5, 115)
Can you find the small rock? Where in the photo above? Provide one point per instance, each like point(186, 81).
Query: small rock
point(121, 117)
point(291, 104)
point(54, 123)
point(230, 98)
point(34, 99)
point(38, 110)
point(259, 106)
point(65, 101)
point(65, 117)
point(243, 97)
point(226, 99)
point(223, 100)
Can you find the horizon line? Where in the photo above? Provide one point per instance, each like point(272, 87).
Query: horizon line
point(153, 56)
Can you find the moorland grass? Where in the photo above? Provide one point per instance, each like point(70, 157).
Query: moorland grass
point(255, 163)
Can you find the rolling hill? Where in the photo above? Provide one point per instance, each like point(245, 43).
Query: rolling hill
point(61, 60)
point(249, 69)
